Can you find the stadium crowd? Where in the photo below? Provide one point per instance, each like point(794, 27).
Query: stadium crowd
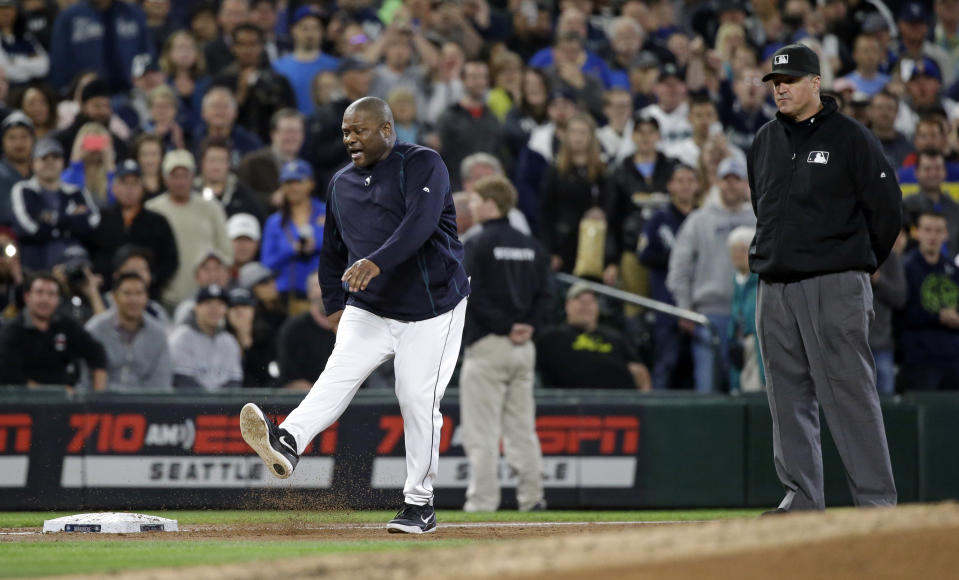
point(165, 164)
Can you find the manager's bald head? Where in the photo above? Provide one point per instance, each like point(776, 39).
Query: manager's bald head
point(368, 131)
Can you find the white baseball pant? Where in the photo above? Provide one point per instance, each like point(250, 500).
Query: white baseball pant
point(424, 353)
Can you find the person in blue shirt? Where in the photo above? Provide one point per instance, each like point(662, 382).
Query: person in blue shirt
point(307, 59)
point(102, 35)
point(394, 285)
point(292, 237)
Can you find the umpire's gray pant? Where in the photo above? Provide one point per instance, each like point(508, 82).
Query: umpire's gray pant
point(813, 339)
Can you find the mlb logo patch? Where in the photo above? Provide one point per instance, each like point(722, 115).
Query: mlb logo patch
point(820, 157)
point(781, 59)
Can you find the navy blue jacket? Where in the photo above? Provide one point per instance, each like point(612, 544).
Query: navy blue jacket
point(107, 42)
point(399, 215)
point(44, 233)
point(931, 287)
point(655, 246)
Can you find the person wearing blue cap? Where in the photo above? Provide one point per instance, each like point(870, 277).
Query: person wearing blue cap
point(307, 58)
point(292, 237)
point(914, 45)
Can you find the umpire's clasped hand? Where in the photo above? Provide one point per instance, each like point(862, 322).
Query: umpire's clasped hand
point(358, 276)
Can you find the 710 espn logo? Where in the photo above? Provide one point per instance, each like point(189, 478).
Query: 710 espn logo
point(16, 431)
point(578, 451)
point(207, 451)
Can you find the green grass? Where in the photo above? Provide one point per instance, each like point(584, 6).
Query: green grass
point(84, 557)
point(101, 555)
point(199, 517)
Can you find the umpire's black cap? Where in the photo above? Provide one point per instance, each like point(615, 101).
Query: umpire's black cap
point(794, 60)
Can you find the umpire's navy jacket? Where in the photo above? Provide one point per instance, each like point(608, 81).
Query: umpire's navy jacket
point(825, 197)
point(399, 215)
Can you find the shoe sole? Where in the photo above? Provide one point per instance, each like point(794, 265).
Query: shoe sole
point(255, 429)
point(401, 529)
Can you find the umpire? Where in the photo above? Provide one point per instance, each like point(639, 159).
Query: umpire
point(828, 211)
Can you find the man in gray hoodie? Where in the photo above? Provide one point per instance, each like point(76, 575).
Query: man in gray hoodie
point(701, 271)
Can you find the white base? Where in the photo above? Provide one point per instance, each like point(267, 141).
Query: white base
point(110, 523)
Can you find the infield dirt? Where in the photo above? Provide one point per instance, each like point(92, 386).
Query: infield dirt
point(917, 541)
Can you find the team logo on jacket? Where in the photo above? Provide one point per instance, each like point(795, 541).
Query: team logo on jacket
point(820, 157)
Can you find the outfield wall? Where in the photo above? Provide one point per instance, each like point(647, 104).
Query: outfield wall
point(601, 450)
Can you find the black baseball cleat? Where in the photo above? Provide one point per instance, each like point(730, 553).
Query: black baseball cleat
point(413, 519)
point(275, 446)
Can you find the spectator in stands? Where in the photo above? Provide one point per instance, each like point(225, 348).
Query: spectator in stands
point(529, 113)
point(49, 215)
point(305, 342)
point(244, 232)
point(39, 348)
point(947, 28)
point(218, 53)
point(469, 126)
point(538, 153)
point(931, 173)
point(703, 119)
point(102, 35)
point(159, 21)
point(22, 57)
point(81, 298)
point(616, 137)
point(931, 133)
point(700, 271)
point(930, 324)
point(94, 107)
point(446, 84)
point(92, 163)
point(131, 259)
point(134, 108)
point(479, 165)
point(506, 68)
point(137, 355)
point(148, 154)
point(256, 329)
point(260, 170)
point(914, 41)
point(38, 102)
point(573, 185)
point(923, 92)
point(746, 109)
point(655, 246)
point(647, 171)
point(292, 236)
point(671, 109)
point(402, 102)
point(509, 303)
point(570, 47)
point(398, 69)
point(643, 76)
point(211, 268)
point(16, 163)
point(889, 295)
point(128, 222)
point(186, 68)
point(324, 137)
point(745, 361)
point(866, 78)
point(447, 22)
point(263, 13)
point(198, 224)
point(164, 119)
point(259, 90)
point(11, 275)
point(217, 183)
point(205, 355)
point(466, 226)
point(626, 38)
point(219, 118)
point(241, 308)
point(307, 58)
point(581, 354)
point(882, 118)
point(203, 25)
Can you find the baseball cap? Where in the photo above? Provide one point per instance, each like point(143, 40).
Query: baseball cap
point(243, 225)
point(874, 23)
point(925, 67)
point(16, 119)
point(95, 88)
point(913, 12)
point(143, 64)
point(296, 170)
point(75, 256)
point(308, 10)
point(645, 60)
point(731, 166)
point(254, 273)
point(178, 158)
point(577, 289)
point(211, 253)
point(47, 146)
point(671, 69)
point(240, 296)
point(642, 118)
point(211, 292)
point(794, 60)
point(128, 167)
point(352, 63)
